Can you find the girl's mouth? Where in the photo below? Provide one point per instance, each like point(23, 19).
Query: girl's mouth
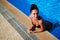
point(36, 18)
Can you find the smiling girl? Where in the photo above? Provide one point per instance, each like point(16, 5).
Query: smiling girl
point(36, 20)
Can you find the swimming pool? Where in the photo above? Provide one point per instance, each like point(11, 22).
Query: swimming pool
point(49, 10)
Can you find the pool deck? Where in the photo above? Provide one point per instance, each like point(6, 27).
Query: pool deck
point(7, 32)
point(26, 21)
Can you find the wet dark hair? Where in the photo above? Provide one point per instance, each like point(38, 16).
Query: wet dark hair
point(33, 6)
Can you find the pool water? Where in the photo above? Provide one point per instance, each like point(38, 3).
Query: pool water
point(48, 10)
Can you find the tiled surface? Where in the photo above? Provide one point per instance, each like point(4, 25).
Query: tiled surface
point(43, 35)
point(7, 32)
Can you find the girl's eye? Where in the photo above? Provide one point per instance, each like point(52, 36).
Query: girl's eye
point(34, 13)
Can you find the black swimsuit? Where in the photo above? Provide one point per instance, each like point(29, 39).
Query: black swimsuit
point(34, 26)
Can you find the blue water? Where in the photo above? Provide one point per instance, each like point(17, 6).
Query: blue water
point(48, 10)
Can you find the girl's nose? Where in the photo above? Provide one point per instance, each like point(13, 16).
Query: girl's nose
point(35, 15)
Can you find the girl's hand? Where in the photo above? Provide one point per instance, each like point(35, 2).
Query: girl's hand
point(29, 31)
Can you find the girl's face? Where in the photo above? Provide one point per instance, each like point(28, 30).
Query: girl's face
point(34, 14)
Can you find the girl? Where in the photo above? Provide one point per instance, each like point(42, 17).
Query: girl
point(35, 19)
